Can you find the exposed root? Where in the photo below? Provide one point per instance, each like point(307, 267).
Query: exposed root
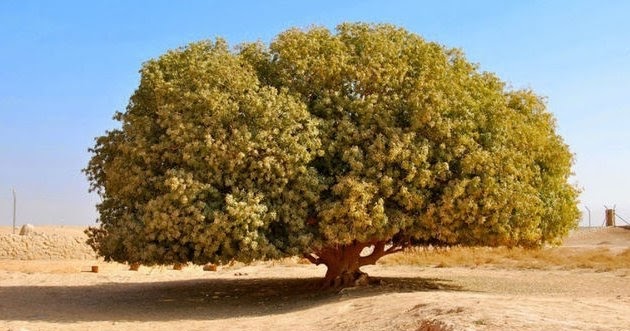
point(346, 279)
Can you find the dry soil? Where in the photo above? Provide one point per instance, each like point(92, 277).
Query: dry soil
point(40, 290)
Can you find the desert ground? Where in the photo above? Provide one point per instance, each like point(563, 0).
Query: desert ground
point(46, 283)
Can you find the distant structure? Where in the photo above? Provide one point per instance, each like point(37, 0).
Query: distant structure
point(27, 229)
point(610, 217)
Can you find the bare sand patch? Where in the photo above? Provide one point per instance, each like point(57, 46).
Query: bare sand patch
point(283, 295)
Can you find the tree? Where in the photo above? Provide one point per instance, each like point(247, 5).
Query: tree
point(340, 147)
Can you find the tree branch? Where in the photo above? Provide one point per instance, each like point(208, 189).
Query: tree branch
point(394, 249)
point(313, 259)
point(379, 251)
point(397, 248)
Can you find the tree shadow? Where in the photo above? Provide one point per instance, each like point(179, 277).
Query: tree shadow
point(197, 299)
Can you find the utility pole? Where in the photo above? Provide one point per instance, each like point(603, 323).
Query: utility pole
point(589, 216)
point(14, 208)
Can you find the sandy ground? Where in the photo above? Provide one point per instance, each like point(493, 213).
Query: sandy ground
point(62, 294)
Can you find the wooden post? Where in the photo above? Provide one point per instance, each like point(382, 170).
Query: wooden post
point(610, 217)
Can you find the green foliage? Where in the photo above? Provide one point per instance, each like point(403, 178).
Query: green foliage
point(368, 134)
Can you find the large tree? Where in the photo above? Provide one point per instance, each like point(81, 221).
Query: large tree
point(338, 146)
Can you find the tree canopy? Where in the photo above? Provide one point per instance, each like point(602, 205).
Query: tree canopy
point(322, 144)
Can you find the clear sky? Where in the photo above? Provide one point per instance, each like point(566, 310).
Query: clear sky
point(67, 66)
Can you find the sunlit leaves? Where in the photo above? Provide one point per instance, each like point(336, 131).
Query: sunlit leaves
point(325, 138)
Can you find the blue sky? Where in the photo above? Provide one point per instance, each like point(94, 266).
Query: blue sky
point(67, 66)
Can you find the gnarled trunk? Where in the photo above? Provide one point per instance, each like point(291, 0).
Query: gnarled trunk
point(344, 262)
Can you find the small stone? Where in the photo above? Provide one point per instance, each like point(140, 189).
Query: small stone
point(210, 267)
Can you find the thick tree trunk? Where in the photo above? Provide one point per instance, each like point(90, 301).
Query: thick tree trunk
point(344, 262)
point(343, 266)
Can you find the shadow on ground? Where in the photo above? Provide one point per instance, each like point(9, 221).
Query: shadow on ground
point(198, 299)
